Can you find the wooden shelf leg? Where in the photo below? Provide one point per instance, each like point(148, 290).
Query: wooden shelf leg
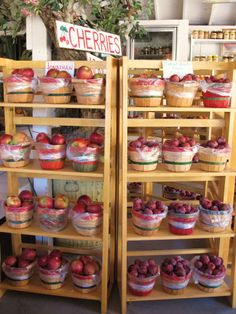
point(2, 292)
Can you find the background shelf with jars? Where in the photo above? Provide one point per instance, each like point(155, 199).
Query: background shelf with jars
point(105, 174)
point(140, 244)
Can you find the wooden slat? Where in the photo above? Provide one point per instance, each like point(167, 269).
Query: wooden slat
point(174, 252)
point(43, 105)
point(181, 109)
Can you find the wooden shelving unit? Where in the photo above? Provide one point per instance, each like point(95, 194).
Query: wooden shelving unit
point(106, 173)
point(219, 183)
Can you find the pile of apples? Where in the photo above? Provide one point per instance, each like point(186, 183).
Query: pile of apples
point(85, 73)
point(176, 266)
point(213, 79)
point(55, 73)
point(52, 261)
point(218, 143)
point(210, 265)
point(27, 257)
point(56, 139)
point(141, 143)
point(214, 205)
point(85, 266)
point(149, 208)
point(187, 78)
point(146, 75)
point(85, 204)
point(182, 141)
point(59, 202)
point(26, 72)
point(18, 138)
point(143, 269)
point(25, 198)
point(181, 208)
point(189, 195)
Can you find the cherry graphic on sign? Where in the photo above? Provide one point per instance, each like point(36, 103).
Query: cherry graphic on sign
point(61, 38)
point(67, 42)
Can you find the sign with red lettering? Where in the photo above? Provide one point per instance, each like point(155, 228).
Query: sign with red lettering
point(82, 38)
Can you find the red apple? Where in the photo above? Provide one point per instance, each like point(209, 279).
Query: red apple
point(11, 261)
point(52, 73)
point(96, 138)
point(85, 259)
point(26, 195)
point(174, 78)
point(80, 142)
point(58, 139)
point(187, 77)
point(84, 73)
point(13, 201)
point(55, 253)
point(5, 139)
point(45, 202)
point(89, 268)
point(42, 136)
point(84, 199)
point(20, 137)
point(94, 208)
point(28, 254)
point(43, 261)
point(53, 262)
point(79, 208)
point(27, 72)
point(61, 201)
point(22, 263)
point(77, 266)
point(64, 74)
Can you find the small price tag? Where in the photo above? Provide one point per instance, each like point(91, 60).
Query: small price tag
point(180, 68)
point(67, 66)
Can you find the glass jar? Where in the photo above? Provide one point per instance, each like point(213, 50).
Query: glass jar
point(209, 58)
point(215, 58)
point(220, 35)
point(206, 34)
point(213, 35)
point(231, 58)
point(195, 34)
point(232, 34)
point(201, 34)
point(202, 58)
point(196, 58)
point(226, 34)
point(225, 58)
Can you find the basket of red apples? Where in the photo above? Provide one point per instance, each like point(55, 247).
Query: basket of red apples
point(97, 140)
point(142, 276)
point(175, 274)
point(216, 93)
point(19, 270)
point(15, 150)
point(83, 154)
point(146, 90)
point(143, 154)
point(89, 87)
point(188, 195)
point(181, 92)
point(51, 151)
point(147, 217)
point(19, 210)
point(214, 216)
point(53, 269)
point(86, 216)
point(182, 218)
point(214, 154)
point(170, 193)
point(56, 87)
point(85, 273)
point(20, 86)
point(53, 213)
point(208, 272)
point(178, 153)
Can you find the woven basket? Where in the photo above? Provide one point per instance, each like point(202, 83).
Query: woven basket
point(146, 92)
point(180, 94)
point(87, 224)
point(16, 164)
point(206, 289)
point(21, 92)
point(212, 162)
point(89, 92)
point(178, 161)
point(19, 218)
point(139, 163)
point(54, 279)
point(18, 277)
point(58, 96)
point(174, 285)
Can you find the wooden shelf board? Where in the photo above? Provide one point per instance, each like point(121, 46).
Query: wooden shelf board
point(66, 291)
point(34, 229)
point(163, 175)
point(214, 41)
point(191, 292)
point(33, 170)
point(165, 234)
point(181, 109)
point(43, 105)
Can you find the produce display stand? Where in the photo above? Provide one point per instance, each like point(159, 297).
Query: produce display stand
point(219, 243)
point(105, 173)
